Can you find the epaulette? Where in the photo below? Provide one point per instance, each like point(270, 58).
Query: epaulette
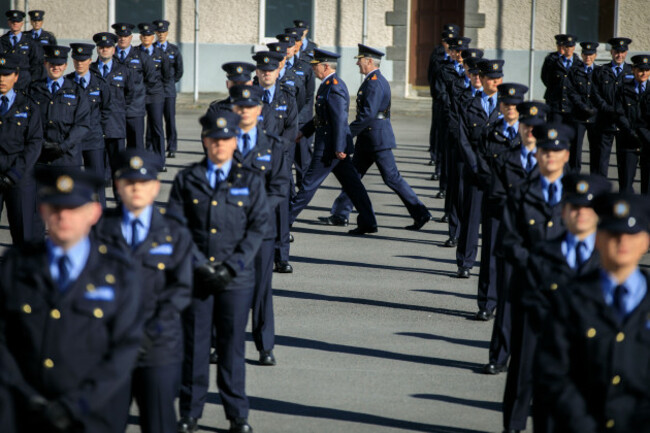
point(374, 77)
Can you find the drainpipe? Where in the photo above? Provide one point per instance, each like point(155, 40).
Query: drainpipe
point(196, 51)
point(531, 57)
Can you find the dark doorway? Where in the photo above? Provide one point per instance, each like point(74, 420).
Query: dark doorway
point(427, 19)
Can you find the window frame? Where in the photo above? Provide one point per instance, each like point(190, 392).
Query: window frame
point(262, 40)
point(564, 17)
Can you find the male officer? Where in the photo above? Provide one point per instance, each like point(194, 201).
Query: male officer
point(141, 67)
point(65, 112)
point(555, 72)
point(595, 353)
point(70, 323)
point(479, 113)
point(496, 140)
point(227, 212)
point(121, 86)
point(568, 255)
point(580, 91)
point(30, 52)
point(155, 100)
point(376, 141)
point(332, 145)
point(162, 248)
point(21, 134)
point(175, 59)
point(307, 47)
point(608, 80)
point(632, 104)
point(37, 33)
point(99, 100)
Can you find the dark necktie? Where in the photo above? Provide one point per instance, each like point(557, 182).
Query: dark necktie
point(218, 174)
point(105, 73)
point(55, 87)
point(14, 40)
point(4, 105)
point(479, 93)
point(82, 81)
point(64, 272)
point(552, 189)
point(122, 56)
point(267, 96)
point(35, 35)
point(620, 292)
point(247, 143)
point(530, 162)
point(589, 69)
point(288, 66)
point(511, 132)
point(618, 70)
point(641, 88)
point(134, 234)
point(490, 105)
point(580, 259)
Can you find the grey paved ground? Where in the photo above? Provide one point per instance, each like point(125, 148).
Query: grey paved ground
point(373, 333)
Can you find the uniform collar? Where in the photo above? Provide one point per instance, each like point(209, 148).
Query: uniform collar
point(77, 78)
point(77, 256)
point(635, 284)
point(253, 140)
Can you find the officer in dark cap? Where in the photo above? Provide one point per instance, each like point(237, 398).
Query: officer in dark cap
point(551, 265)
point(376, 141)
point(479, 114)
point(21, 134)
point(227, 212)
point(608, 81)
point(65, 111)
point(31, 54)
point(307, 48)
point(162, 247)
point(143, 70)
point(555, 73)
point(99, 99)
point(332, 145)
point(175, 59)
point(70, 315)
point(632, 105)
point(496, 140)
point(580, 91)
point(594, 354)
point(37, 33)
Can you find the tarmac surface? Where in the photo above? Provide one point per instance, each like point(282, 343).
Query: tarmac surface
point(374, 333)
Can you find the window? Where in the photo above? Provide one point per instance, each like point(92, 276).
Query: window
point(138, 11)
point(281, 13)
point(5, 5)
point(591, 20)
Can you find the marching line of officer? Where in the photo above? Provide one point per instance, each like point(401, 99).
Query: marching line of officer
point(37, 33)
point(30, 52)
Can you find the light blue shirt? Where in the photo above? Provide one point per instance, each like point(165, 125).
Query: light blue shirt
point(558, 188)
point(86, 77)
point(271, 91)
point(211, 173)
point(484, 101)
point(589, 69)
point(147, 50)
point(567, 62)
point(100, 66)
point(50, 81)
point(253, 140)
point(614, 66)
point(458, 67)
point(162, 46)
point(143, 228)
point(637, 86)
point(475, 90)
point(446, 56)
point(37, 33)
point(126, 50)
point(506, 126)
point(304, 44)
point(77, 258)
point(569, 248)
point(19, 36)
point(635, 284)
point(11, 97)
point(524, 156)
point(282, 71)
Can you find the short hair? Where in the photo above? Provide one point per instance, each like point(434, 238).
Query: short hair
point(332, 65)
point(376, 62)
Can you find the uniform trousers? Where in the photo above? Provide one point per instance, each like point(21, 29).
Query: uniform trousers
point(472, 201)
point(499, 351)
point(348, 178)
point(455, 191)
point(228, 311)
point(301, 161)
point(385, 160)
point(600, 151)
point(169, 113)
point(575, 155)
point(282, 241)
point(263, 318)
point(155, 131)
point(135, 132)
point(94, 163)
point(20, 202)
point(488, 273)
point(155, 390)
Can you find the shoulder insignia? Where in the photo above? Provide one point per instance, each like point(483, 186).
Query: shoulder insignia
point(336, 81)
point(327, 82)
point(374, 77)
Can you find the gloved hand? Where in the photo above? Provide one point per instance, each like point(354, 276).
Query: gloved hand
point(51, 414)
point(51, 151)
point(590, 112)
point(6, 183)
point(214, 277)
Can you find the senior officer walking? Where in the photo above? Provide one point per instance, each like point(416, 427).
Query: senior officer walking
point(227, 212)
point(594, 358)
point(162, 247)
point(332, 145)
point(70, 324)
point(375, 142)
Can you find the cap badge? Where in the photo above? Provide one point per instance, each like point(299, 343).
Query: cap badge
point(645, 60)
point(460, 42)
point(246, 93)
point(621, 42)
point(495, 66)
point(569, 38)
point(588, 46)
point(57, 52)
point(552, 134)
point(145, 27)
point(136, 163)
point(15, 14)
point(123, 27)
point(64, 183)
point(266, 59)
point(80, 50)
point(160, 24)
point(621, 209)
point(221, 122)
point(533, 111)
point(103, 38)
point(582, 187)
point(2, 61)
point(511, 91)
point(239, 69)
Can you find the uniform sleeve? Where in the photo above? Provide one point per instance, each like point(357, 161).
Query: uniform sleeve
point(179, 66)
point(370, 105)
point(599, 102)
point(105, 107)
point(338, 119)
point(310, 87)
point(621, 113)
point(36, 67)
point(130, 91)
point(277, 186)
point(166, 68)
point(33, 146)
point(511, 241)
point(148, 70)
point(464, 145)
point(290, 120)
point(574, 96)
point(81, 124)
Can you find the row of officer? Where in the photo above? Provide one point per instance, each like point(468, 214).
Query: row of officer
point(28, 50)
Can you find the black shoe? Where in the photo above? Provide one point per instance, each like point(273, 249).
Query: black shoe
point(419, 223)
point(214, 358)
point(108, 183)
point(441, 194)
point(511, 431)
point(164, 170)
point(283, 268)
point(171, 154)
point(444, 218)
point(484, 315)
point(290, 238)
point(363, 230)
point(267, 358)
point(187, 424)
point(334, 220)
point(494, 368)
point(435, 176)
point(240, 425)
point(431, 163)
point(451, 243)
point(462, 273)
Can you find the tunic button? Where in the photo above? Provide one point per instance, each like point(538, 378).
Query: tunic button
point(55, 314)
point(591, 333)
point(616, 380)
point(48, 363)
point(262, 168)
point(620, 337)
point(553, 286)
point(98, 313)
point(195, 201)
point(27, 309)
point(550, 224)
point(240, 204)
point(214, 202)
point(213, 231)
point(610, 423)
point(531, 222)
point(161, 266)
point(212, 259)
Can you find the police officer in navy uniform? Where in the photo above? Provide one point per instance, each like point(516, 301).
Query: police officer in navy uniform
point(29, 51)
point(227, 212)
point(175, 59)
point(142, 68)
point(37, 33)
point(555, 73)
point(308, 46)
point(572, 251)
point(121, 87)
point(21, 134)
point(99, 100)
point(332, 145)
point(633, 141)
point(376, 141)
point(162, 247)
point(608, 80)
point(594, 355)
point(65, 111)
point(70, 324)
point(580, 91)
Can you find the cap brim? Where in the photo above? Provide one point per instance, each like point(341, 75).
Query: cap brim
point(550, 145)
point(642, 66)
point(511, 100)
point(65, 200)
point(246, 102)
point(620, 48)
point(239, 78)
point(493, 74)
point(619, 226)
point(532, 120)
point(105, 44)
point(268, 67)
point(16, 20)
point(578, 200)
point(136, 175)
point(220, 134)
point(315, 61)
point(81, 57)
point(8, 71)
point(56, 61)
